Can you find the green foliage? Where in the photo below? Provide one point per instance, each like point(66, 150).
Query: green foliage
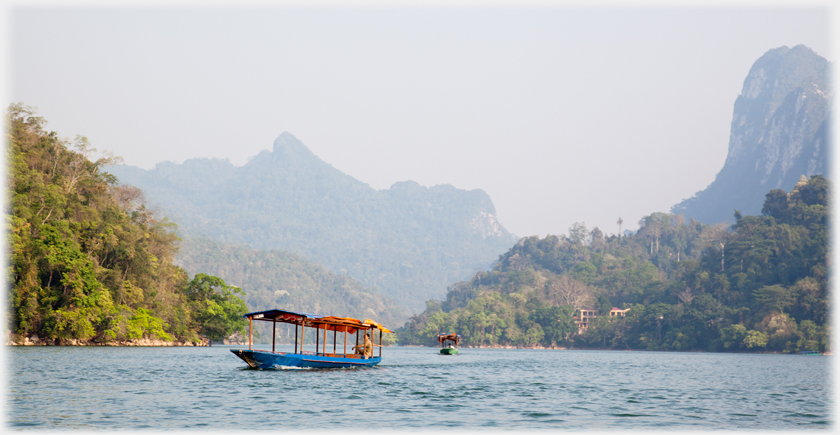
point(555, 321)
point(217, 308)
point(495, 319)
point(771, 298)
point(733, 336)
point(143, 324)
point(88, 260)
point(755, 339)
point(760, 285)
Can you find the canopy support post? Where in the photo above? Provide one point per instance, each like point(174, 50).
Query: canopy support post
point(273, 333)
point(250, 324)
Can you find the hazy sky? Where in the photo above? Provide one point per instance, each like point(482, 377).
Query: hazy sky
point(561, 114)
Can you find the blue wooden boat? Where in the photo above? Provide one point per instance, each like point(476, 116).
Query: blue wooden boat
point(363, 333)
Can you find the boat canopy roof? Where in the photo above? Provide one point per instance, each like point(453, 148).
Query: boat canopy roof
point(329, 323)
point(453, 336)
point(377, 325)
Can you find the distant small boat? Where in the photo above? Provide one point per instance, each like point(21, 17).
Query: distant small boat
point(449, 343)
point(320, 357)
point(809, 352)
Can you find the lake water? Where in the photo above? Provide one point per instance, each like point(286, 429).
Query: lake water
point(113, 388)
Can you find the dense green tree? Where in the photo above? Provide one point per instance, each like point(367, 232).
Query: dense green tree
point(88, 261)
point(555, 321)
point(217, 308)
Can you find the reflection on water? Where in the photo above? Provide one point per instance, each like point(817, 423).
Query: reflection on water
point(183, 388)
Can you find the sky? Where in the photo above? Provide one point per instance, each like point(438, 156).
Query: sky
point(561, 113)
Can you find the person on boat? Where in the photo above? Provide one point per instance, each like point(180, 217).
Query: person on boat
point(366, 349)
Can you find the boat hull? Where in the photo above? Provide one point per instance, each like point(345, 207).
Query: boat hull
point(449, 351)
point(260, 359)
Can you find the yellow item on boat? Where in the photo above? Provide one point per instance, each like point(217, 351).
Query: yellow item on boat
point(384, 329)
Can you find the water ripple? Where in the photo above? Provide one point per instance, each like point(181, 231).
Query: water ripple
point(208, 388)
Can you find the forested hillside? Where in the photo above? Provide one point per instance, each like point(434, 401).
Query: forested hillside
point(409, 242)
point(759, 285)
point(280, 279)
point(89, 262)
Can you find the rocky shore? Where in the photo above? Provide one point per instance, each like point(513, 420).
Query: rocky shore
point(13, 340)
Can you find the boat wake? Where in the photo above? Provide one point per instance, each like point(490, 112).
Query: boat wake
point(281, 367)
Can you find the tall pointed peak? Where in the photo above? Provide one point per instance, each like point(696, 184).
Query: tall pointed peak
point(779, 131)
point(287, 142)
point(782, 69)
point(289, 150)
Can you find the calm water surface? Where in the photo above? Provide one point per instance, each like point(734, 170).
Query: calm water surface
point(209, 388)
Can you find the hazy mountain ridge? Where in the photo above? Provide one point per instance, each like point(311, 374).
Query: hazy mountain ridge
point(408, 241)
point(280, 279)
point(780, 131)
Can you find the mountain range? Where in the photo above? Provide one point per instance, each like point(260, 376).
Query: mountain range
point(408, 242)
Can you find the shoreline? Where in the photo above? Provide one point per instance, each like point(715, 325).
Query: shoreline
point(139, 342)
point(826, 353)
point(147, 342)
